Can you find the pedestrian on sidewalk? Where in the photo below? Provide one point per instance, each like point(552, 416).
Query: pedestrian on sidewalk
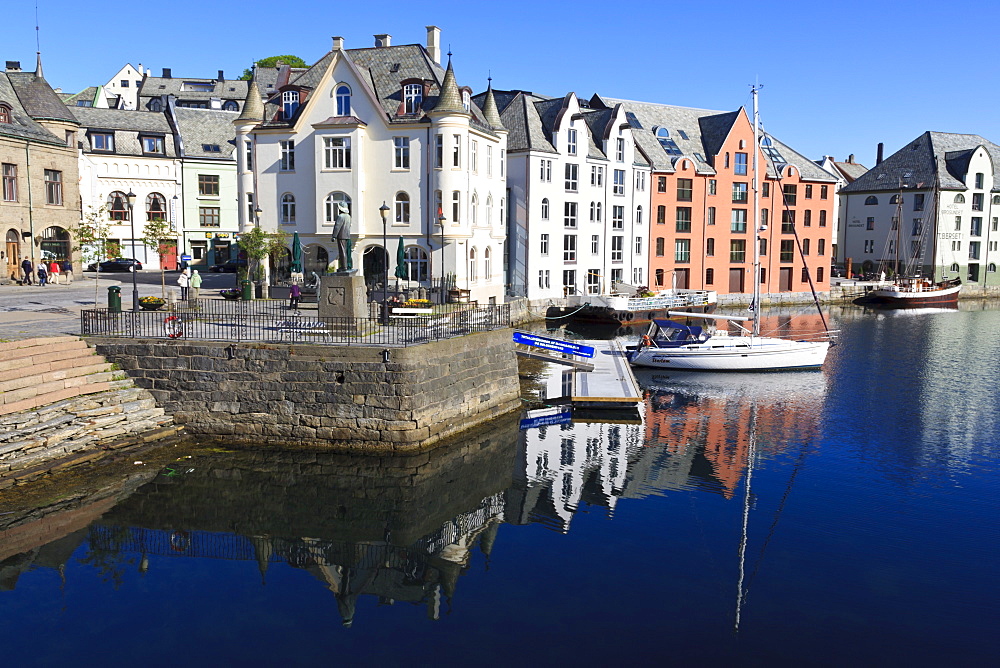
point(195, 284)
point(27, 268)
point(43, 273)
point(67, 271)
point(54, 272)
point(184, 280)
point(294, 295)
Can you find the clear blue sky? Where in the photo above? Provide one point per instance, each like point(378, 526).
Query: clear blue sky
point(838, 77)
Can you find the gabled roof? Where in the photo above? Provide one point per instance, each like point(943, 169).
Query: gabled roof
point(941, 156)
point(201, 127)
point(851, 171)
point(22, 125)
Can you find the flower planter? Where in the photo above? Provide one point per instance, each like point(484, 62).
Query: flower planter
point(151, 307)
point(231, 297)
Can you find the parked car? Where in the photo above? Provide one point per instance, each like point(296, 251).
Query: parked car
point(837, 271)
point(229, 266)
point(118, 264)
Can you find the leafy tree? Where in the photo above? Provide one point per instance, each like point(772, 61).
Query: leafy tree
point(260, 245)
point(91, 235)
point(156, 236)
point(291, 61)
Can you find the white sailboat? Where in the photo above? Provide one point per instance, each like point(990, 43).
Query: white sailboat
point(670, 345)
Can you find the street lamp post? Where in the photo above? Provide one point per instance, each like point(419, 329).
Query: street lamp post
point(384, 212)
point(441, 222)
point(131, 217)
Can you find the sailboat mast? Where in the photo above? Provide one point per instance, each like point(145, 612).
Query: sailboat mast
point(756, 217)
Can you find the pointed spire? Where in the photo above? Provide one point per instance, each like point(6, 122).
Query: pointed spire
point(253, 108)
point(449, 99)
point(490, 112)
point(38, 65)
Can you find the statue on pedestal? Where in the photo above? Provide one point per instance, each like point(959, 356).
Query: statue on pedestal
point(342, 236)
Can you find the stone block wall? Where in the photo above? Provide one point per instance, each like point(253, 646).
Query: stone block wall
point(322, 394)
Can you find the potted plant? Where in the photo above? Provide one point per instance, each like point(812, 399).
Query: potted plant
point(230, 293)
point(152, 303)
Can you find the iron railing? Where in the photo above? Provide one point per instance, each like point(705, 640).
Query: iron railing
point(214, 320)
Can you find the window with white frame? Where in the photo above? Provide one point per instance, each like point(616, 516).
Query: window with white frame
point(336, 152)
point(487, 263)
point(343, 100)
point(543, 244)
point(682, 250)
point(619, 186)
point(638, 215)
point(331, 206)
point(638, 245)
point(456, 151)
point(415, 258)
point(248, 154)
point(503, 162)
point(402, 205)
point(569, 281)
point(401, 152)
point(617, 248)
point(439, 151)
point(53, 187)
point(637, 276)
point(289, 103)
point(595, 244)
point(545, 208)
point(489, 211)
point(569, 248)
point(572, 176)
point(545, 171)
point(640, 181)
point(570, 214)
point(618, 218)
point(571, 141)
point(620, 149)
point(489, 161)
point(473, 264)
point(543, 278)
point(413, 95)
point(286, 162)
point(474, 209)
point(597, 176)
point(287, 209)
point(474, 156)
point(456, 206)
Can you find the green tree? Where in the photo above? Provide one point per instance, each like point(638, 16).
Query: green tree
point(91, 235)
point(260, 245)
point(291, 61)
point(156, 236)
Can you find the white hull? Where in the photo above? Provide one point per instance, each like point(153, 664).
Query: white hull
point(736, 353)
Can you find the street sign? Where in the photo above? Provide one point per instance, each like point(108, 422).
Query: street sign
point(185, 258)
point(555, 345)
point(545, 417)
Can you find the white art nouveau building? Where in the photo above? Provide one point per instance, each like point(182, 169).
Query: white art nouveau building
point(373, 127)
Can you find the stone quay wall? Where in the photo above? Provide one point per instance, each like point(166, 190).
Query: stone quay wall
point(340, 396)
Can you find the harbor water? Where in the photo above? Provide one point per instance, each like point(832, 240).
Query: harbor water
point(838, 517)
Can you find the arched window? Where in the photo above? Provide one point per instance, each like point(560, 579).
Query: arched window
point(959, 198)
point(402, 207)
point(954, 267)
point(332, 203)
point(289, 103)
point(545, 208)
point(896, 199)
point(638, 215)
point(871, 200)
point(343, 94)
point(117, 206)
point(230, 105)
point(489, 211)
point(156, 207)
point(598, 212)
point(472, 264)
point(155, 105)
point(474, 213)
point(288, 209)
point(991, 266)
point(416, 263)
point(487, 264)
point(663, 136)
point(413, 96)
point(5, 115)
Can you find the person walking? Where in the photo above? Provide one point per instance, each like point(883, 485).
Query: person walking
point(184, 280)
point(54, 272)
point(67, 271)
point(28, 270)
point(195, 284)
point(43, 274)
point(294, 295)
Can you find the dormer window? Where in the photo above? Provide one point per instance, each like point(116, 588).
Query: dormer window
point(102, 141)
point(466, 101)
point(343, 94)
point(155, 105)
point(289, 103)
point(230, 105)
point(413, 97)
point(4, 114)
point(152, 144)
point(662, 135)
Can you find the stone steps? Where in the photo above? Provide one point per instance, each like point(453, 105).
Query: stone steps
point(40, 371)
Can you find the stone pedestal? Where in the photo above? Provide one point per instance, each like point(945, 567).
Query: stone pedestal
point(344, 296)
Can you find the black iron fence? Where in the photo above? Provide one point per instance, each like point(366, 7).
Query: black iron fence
point(268, 322)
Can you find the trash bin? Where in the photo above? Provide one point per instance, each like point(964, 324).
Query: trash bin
point(246, 288)
point(115, 299)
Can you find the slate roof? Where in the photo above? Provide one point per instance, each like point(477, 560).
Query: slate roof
point(70, 99)
point(198, 127)
point(23, 126)
point(851, 170)
point(267, 77)
point(38, 98)
point(227, 89)
point(127, 126)
point(940, 155)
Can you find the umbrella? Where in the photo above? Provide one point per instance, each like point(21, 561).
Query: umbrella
point(401, 271)
point(296, 254)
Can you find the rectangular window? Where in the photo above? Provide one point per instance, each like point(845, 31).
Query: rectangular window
point(595, 244)
point(824, 192)
point(684, 190)
point(661, 215)
point(918, 226)
point(152, 145)
point(248, 152)
point(597, 176)
point(619, 185)
point(640, 181)
point(977, 227)
point(474, 156)
point(208, 185)
point(569, 281)
point(571, 141)
point(822, 218)
point(710, 216)
point(979, 181)
point(682, 250)
point(9, 182)
point(869, 223)
point(572, 176)
point(710, 276)
point(401, 152)
point(489, 161)
point(570, 212)
point(620, 150)
point(958, 223)
point(102, 141)
point(456, 151)
point(208, 216)
point(973, 250)
point(764, 217)
point(545, 174)
point(737, 250)
point(765, 189)
point(616, 276)
point(787, 221)
point(740, 164)
point(787, 252)
point(918, 202)
point(543, 245)
point(710, 247)
point(593, 281)
point(456, 206)
point(995, 224)
point(569, 248)
point(660, 243)
point(807, 218)
point(618, 218)
point(809, 191)
point(977, 202)
point(821, 247)
point(763, 247)
point(805, 246)
point(53, 187)
point(738, 221)
point(287, 161)
point(439, 151)
point(617, 248)
point(713, 186)
point(638, 245)
point(503, 162)
point(790, 191)
point(661, 184)
point(637, 276)
point(740, 191)
point(683, 219)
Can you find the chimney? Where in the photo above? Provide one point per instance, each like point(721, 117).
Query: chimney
point(878, 156)
point(338, 43)
point(166, 72)
point(13, 65)
point(850, 158)
point(222, 77)
point(383, 40)
point(434, 43)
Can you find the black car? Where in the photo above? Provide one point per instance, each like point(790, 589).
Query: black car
point(118, 264)
point(229, 266)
